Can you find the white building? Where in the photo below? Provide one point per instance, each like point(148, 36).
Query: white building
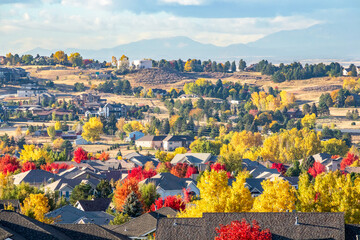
point(142, 64)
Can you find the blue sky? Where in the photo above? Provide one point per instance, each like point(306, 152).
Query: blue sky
point(96, 24)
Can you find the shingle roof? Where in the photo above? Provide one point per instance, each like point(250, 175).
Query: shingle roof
point(89, 232)
point(34, 177)
point(143, 160)
point(194, 158)
point(281, 225)
point(143, 224)
point(176, 138)
point(167, 181)
point(151, 138)
point(29, 228)
point(69, 214)
point(19, 227)
point(98, 204)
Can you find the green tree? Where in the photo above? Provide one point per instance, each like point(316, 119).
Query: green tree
point(242, 65)
point(132, 206)
point(148, 195)
point(119, 219)
point(51, 132)
point(103, 189)
point(233, 66)
point(81, 192)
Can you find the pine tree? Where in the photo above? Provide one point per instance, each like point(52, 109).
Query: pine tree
point(242, 65)
point(233, 66)
point(132, 206)
point(314, 109)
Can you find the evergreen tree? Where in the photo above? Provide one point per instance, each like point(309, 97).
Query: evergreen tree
point(166, 127)
point(233, 66)
point(103, 189)
point(353, 70)
point(314, 109)
point(242, 65)
point(132, 206)
point(307, 163)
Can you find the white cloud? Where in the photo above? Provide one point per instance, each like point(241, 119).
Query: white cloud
point(184, 2)
point(62, 26)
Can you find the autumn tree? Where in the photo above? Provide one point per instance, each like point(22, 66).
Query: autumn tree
point(8, 164)
point(36, 206)
point(348, 160)
point(237, 230)
point(217, 196)
point(33, 154)
point(58, 125)
point(28, 166)
point(80, 154)
point(334, 146)
point(76, 59)
point(123, 189)
point(278, 196)
point(140, 174)
point(174, 202)
point(316, 169)
point(92, 129)
point(60, 57)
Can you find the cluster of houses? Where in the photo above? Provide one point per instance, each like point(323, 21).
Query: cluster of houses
point(13, 74)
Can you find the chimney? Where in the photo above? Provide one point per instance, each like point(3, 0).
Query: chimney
point(296, 221)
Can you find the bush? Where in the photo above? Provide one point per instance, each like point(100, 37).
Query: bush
point(353, 123)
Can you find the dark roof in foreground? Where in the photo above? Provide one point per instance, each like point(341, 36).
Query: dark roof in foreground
point(143, 224)
point(19, 227)
point(98, 204)
point(281, 225)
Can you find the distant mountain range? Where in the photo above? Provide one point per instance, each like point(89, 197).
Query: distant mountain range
point(320, 42)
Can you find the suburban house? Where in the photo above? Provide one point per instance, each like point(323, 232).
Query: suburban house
point(133, 136)
point(30, 91)
point(142, 64)
point(149, 141)
point(282, 225)
point(97, 204)
point(257, 170)
point(200, 160)
point(72, 215)
point(171, 142)
point(294, 113)
point(183, 96)
point(171, 185)
point(119, 110)
point(35, 177)
point(144, 225)
point(167, 143)
point(253, 184)
point(13, 74)
point(331, 164)
point(141, 160)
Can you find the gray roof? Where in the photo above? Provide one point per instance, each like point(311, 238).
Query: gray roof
point(34, 177)
point(143, 224)
point(193, 158)
point(89, 232)
point(143, 160)
point(167, 181)
point(13, 202)
point(98, 204)
point(252, 183)
point(281, 225)
point(69, 214)
point(130, 155)
point(19, 227)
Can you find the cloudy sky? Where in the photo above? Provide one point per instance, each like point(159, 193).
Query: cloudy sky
point(96, 24)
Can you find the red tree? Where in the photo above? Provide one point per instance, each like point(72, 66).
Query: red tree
point(237, 230)
point(122, 191)
point(217, 167)
point(350, 159)
point(191, 170)
point(80, 154)
point(280, 167)
point(104, 156)
point(316, 169)
point(164, 166)
point(54, 167)
point(140, 174)
point(179, 170)
point(9, 164)
point(175, 202)
point(28, 166)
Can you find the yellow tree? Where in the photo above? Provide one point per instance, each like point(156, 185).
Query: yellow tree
point(58, 125)
point(18, 132)
point(278, 196)
point(136, 126)
point(334, 146)
point(92, 129)
point(330, 192)
point(36, 206)
point(180, 150)
point(217, 196)
point(57, 143)
point(32, 154)
point(120, 124)
point(60, 56)
point(309, 120)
